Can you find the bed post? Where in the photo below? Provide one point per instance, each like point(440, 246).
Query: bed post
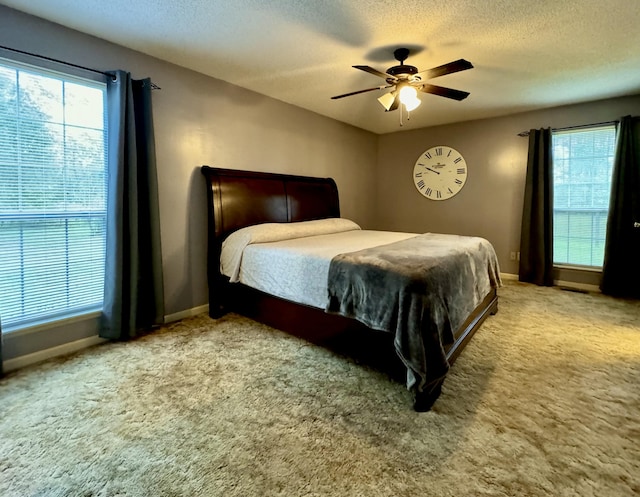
point(215, 279)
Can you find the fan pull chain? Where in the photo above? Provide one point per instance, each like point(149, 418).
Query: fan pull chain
point(408, 115)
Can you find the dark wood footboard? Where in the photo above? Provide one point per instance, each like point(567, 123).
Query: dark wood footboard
point(318, 326)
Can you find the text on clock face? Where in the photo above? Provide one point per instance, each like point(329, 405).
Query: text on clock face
point(460, 170)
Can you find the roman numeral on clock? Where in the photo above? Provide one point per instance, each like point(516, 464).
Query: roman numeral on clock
point(420, 184)
point(461, 170)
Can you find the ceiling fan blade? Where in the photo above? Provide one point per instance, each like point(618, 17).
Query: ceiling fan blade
point(451, 67)
point(375, 72)
point(444, 92)
point(360, 91)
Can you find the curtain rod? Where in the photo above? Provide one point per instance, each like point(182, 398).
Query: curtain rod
point(153, 85)
point(579, 126)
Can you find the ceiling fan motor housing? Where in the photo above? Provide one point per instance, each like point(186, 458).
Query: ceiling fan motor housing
point(401, 73)
point(402, 70)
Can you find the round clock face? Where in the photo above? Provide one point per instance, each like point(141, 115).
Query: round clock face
point(440, 173)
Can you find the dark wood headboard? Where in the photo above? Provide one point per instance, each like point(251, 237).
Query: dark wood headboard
point(243, 198)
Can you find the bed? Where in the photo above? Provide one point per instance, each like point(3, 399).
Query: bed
point(361, 282)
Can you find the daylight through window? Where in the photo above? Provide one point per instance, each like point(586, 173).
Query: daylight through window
point(53, 194)
point(582, 169)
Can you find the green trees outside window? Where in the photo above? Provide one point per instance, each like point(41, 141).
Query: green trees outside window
point(52, 194)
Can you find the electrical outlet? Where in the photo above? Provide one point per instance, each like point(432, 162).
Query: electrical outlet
point(513, 256)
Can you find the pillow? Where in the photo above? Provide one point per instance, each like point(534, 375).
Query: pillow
point(233, 246)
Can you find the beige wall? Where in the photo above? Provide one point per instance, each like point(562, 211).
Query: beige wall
point(200, 120)
point(490, 204)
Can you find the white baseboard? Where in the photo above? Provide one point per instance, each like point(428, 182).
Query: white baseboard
point(565, 284)
point(42, 355)
point(577, 286)
point(194, 311)
point(67, 348)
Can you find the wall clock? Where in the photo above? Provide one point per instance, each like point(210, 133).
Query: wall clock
point(440, 173)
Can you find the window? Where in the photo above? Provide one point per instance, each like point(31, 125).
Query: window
point(52, 194)
point(582, 169)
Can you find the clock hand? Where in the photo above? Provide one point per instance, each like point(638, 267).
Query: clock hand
point(428, 168)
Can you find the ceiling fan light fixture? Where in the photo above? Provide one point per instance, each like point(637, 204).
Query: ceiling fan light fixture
point(387, 99)
point(412, 104)
point(408, 93)
point(409, 98)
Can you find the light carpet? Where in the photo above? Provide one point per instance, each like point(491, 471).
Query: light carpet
point(544, 401)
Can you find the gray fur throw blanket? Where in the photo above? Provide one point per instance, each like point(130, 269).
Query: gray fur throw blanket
point(421, 289)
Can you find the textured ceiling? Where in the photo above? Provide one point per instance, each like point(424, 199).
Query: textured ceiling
point(527, 54)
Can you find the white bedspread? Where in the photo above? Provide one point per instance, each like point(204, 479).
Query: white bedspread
point(297, 269)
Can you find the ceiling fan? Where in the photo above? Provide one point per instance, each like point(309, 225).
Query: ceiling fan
point(407, 81)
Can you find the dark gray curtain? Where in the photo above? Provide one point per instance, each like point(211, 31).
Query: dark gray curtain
point(536, 238)
point(133, 298)
point(621, 269)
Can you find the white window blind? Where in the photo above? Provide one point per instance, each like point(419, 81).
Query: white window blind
point(582, 169)
point(52, 194)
